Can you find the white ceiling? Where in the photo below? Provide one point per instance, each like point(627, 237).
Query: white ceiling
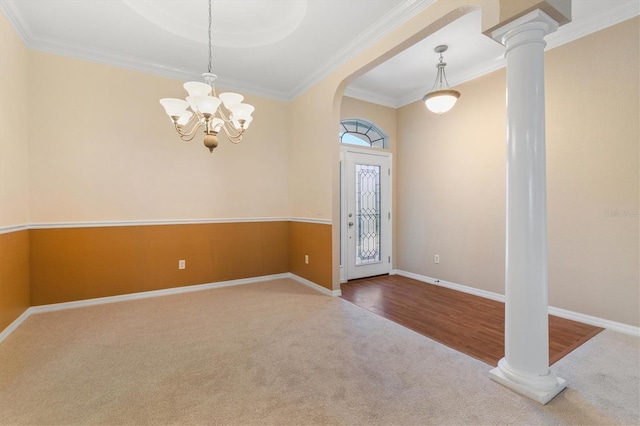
point(408, 76)
point(276, 48)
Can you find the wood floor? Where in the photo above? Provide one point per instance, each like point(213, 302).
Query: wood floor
point(467, 323)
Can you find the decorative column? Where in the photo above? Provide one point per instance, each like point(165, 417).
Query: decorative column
point(525, 367)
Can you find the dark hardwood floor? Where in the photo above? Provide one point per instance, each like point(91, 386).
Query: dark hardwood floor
point(467, 323)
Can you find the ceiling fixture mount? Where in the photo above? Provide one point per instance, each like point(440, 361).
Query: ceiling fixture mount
point(225, 112)
point(441, 98)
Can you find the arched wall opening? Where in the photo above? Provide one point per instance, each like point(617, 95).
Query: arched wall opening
point(433, 18)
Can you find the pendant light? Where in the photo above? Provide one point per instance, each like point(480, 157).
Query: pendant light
point(441, 98)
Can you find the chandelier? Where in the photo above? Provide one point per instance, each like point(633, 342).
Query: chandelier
point(204, 108)
point(441, 99)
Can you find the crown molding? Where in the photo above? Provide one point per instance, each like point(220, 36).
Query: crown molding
point(366, 96)
point(399, 15)
point(86, 53)
point(565, 34)
point(132, 63)
point(389, 22)
point(618, 12)
point(10, 12)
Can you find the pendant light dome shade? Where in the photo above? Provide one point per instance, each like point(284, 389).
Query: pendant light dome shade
point(441, 98)
point(441, 101)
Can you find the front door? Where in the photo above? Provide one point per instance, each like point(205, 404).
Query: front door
point(367, 219)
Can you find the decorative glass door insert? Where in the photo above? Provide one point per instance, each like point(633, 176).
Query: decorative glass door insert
point(367, 217)
point(368, 214)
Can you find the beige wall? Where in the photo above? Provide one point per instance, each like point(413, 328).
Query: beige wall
point(385, 118)
point(310, 154)
point(14, 129)
point(103, 149)
point(593, 120)
point(315, 116)
point(451, 180)
point(14, 174)
point(451, 187)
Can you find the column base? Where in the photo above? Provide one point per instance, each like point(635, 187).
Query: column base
point(528, 386)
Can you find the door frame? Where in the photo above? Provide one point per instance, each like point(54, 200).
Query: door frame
point(344, 150)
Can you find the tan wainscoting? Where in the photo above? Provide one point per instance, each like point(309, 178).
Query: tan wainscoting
point(314, 240)
point(14, 276)
point(70, 264)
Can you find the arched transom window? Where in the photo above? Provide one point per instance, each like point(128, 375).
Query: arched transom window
point(358, 131)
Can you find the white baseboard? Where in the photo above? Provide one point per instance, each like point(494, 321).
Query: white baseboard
point(334, 293)
point(453, 286)
point(563, 313)
point(152, 293)
point(595, 321)
point(11, 328)
point(156, 293)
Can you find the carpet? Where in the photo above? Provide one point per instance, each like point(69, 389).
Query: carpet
point(278, 352)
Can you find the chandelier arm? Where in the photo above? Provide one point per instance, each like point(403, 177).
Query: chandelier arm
point(190, 133)
point(235, 136)
point(233, 131)
point(187, 139)
point(226, 121)
point(224, 116)
point(191, 126)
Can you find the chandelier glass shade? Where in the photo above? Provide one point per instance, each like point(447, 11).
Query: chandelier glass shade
point(203, 108)
point(441, 98)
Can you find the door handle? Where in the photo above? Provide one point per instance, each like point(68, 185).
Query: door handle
point(350, 224)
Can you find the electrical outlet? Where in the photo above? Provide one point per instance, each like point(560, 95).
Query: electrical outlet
point(436, 259)
point(182, 264)
point(306, 259)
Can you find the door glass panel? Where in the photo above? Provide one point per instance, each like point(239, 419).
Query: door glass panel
point(368, 212)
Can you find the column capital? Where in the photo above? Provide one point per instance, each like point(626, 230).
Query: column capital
point(536, 19)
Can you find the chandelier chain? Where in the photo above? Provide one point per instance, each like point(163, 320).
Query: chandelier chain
point(209, 68)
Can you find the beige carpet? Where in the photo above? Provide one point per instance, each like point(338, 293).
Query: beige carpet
point(280, 353)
